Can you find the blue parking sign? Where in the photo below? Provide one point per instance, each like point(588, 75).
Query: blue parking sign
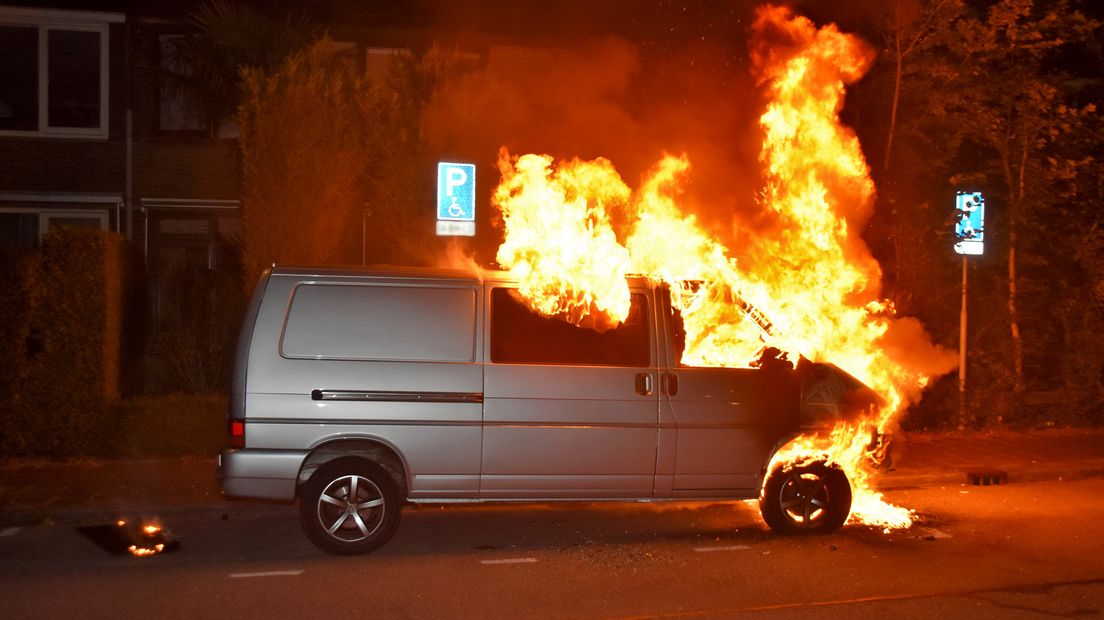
point(970, 223)
point(455, 192)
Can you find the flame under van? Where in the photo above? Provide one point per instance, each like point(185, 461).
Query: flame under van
point(355, 391)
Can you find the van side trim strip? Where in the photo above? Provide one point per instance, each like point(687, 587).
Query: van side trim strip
point(398, 397)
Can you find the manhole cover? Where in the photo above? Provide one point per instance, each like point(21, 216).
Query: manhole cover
point(986, 477)
point(138, 538)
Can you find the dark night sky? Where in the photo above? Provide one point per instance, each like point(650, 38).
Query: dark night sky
point(651, 23)
point(655, 26)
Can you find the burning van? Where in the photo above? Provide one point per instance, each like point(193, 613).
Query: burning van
point(355, 391)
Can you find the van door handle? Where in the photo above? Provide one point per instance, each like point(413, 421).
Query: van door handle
point(670, 383)
point(644, 383)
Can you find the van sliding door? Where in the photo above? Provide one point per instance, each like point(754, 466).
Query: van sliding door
point(568, 411)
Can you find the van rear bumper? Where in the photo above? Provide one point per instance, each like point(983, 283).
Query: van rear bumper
point(261, 474)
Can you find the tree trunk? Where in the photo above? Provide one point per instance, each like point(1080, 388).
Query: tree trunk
point(1013, 315)
point(896, 92)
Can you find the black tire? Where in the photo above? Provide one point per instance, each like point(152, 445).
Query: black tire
point(343, 527)
point(806, 499)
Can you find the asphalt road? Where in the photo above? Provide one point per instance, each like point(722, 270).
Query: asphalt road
point(1022, 550)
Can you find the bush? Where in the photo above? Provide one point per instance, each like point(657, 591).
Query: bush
point(16, 276)
point(64, 376)
point(203, 310)
point(302, 158)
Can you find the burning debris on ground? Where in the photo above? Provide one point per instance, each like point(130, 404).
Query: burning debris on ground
point(136, 537)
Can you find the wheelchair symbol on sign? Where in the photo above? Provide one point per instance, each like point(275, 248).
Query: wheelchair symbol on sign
point(455, 210)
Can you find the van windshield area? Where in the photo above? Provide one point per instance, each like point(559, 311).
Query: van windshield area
point(519, 335)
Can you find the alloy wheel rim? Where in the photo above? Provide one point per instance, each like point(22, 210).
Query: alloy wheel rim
point(805, 499)
point(351, 508)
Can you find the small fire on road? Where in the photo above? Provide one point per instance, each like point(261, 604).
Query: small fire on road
point(145, 538)
point(806, 285)
point(138, 537)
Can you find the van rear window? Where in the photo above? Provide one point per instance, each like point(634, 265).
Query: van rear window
point(381, 322)
point(522, 336)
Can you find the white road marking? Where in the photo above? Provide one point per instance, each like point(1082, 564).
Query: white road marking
point(10, 531)
point(510, 561)
point(934, 533)
point(269, 573)
point(728, 548)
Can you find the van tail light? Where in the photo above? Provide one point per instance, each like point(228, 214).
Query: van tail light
point(237, 433)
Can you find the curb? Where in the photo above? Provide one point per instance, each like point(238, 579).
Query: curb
point(86, 516)
point(23, 516)
point(893, 482)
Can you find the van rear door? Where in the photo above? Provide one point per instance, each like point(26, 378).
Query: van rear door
point(387, 360)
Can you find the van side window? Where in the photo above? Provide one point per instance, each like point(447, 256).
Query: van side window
point(380, 323)
point(521, 336)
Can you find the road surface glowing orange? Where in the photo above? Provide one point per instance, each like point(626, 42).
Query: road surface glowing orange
point(808, 287)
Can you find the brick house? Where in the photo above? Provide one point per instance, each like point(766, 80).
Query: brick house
point(89, 137)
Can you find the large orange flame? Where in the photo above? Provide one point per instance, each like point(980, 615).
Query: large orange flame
point(564, 279)
point(809, 287)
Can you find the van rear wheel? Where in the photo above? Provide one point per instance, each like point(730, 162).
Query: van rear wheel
point(349, 507)
point(814, 498)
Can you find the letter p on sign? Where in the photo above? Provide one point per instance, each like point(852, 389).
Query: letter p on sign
point(456, 177)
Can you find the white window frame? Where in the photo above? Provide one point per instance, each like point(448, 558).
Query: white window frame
point(45, 215)
point(384, 55)
point(46, 20)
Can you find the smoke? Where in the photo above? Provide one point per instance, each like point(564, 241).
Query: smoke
point(560, 102)
point(608, 97)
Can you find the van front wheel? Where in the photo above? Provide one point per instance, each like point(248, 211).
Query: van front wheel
point(349, 507)
point(814, 498)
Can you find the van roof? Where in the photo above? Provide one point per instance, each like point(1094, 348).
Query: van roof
point(385, 271)
point(395, 271)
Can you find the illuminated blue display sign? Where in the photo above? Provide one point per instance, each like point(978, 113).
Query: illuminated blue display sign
point(969, 223)
point(455, 199)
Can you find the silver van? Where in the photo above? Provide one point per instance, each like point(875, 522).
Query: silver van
point(355, 391)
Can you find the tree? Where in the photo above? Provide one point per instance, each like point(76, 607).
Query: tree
point(205, 66)
point(909, 231)
point(401, 181)
point(912, 28)
point(324, 147)
point(1005, 94)
point(303, 156)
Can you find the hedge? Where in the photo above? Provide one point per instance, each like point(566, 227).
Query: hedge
point(60, 357)
point(62, 366)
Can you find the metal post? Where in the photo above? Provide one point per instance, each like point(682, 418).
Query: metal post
point(962, 351)
point(129, 138)
point(129, 174)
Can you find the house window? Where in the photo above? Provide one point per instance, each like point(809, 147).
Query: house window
point(18, 78)
point(18, 231)
point(73, 74)
point(23, 229)
point(177, 112)
point(378, 59)
point(54, 72)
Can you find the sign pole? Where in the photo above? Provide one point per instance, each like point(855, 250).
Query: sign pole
point(969, 235)
point(962, 351)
